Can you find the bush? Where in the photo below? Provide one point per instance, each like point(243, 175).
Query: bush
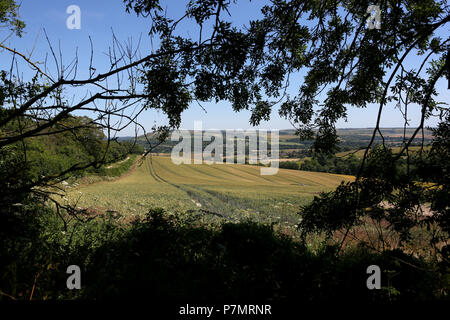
point(289, 165)
point(332, 164)
point(160, 256)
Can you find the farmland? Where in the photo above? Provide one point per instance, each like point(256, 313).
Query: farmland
point(232, 191)
point(291, 146)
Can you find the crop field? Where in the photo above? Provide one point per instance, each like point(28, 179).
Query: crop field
point(230, 191)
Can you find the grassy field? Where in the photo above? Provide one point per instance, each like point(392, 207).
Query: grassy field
point(233, 191)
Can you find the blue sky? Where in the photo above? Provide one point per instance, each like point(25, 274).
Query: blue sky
point(100, 16)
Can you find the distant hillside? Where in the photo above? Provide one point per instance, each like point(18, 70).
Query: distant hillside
point(291, 147)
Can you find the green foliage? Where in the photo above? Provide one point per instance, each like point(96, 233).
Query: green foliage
point(162, 256)
point(37, 246)
point(54, 152)
point(250, 67)
point(330, 163)
point(9, 17)
point(289, 165)
point(118, 169)
point(391, 191)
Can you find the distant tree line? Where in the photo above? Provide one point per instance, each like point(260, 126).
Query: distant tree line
point(321, 162)
point(332, 164)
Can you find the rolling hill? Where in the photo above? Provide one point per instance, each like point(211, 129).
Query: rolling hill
point(230, 191)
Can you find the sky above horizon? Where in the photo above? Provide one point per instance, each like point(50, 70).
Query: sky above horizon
point(99, 18)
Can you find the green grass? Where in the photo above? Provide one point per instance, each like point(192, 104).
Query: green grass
point(234, 191)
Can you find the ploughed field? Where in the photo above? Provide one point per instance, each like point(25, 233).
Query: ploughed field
point(231, 192)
